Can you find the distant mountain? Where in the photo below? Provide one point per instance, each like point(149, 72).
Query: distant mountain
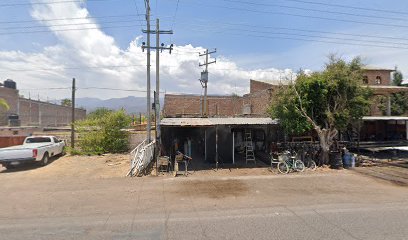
point(130, 104)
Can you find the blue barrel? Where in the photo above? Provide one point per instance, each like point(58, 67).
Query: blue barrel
point(348, 160)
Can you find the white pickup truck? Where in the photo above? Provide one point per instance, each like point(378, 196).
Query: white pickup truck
point(34, 149)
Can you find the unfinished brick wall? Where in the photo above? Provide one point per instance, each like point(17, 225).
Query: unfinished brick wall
point(36, 113)
point(256, 86)
point(259, 102)
point(372, 75)
point(189, 105)
point(45, 114)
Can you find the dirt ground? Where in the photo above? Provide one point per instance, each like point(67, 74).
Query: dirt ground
point(117, 166)
point(105, 166)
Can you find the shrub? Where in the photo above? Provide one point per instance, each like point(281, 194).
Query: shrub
point(103, 132)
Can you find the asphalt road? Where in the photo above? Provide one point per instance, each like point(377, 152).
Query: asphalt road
point(340, 205)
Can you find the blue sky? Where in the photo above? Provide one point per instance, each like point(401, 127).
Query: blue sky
point(255, 39)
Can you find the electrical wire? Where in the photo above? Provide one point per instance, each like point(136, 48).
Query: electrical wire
point(68, 24)
point(306, 35)
point(298, 39)
point(65, 19)
point(349, 7)
point(72, 29)
point(315, 10)
point(46, 3)
point(299, 15)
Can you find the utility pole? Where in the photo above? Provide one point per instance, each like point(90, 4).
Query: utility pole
point(204, 79)
point(147, 3)
point(159, 48)
point(73, 114)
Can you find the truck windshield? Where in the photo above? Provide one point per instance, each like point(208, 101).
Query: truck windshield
point(38, 140)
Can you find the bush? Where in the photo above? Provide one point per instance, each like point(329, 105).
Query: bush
point(103, 133)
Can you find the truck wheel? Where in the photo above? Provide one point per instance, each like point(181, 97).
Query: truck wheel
point(8, 166)
point(44, 160)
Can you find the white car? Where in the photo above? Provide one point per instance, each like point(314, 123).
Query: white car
point(34, 149)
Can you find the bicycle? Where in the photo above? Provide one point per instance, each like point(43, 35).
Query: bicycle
point(286, 162)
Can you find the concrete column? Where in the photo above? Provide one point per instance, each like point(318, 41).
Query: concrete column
point(389, 105)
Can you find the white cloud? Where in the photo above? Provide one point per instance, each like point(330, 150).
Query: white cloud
point(81, 53)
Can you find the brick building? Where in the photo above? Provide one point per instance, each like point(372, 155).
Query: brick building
point(35, 113)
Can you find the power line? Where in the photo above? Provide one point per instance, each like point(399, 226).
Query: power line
point(64, 19)
point(72, 29)
point(301, 15)
point(308, 35)
point(348, 7)
point(45, 3)
point(69, 24)
point(300, 39)
point(315, 10)
point(72, 68)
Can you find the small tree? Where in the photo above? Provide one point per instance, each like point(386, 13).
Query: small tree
point(66, 102)
point(4, 105)
point(102, 132)
point(326, 101)
point(399, 101)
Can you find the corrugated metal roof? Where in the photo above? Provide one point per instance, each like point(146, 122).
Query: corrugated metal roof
point(385, 118)
point(185, 122)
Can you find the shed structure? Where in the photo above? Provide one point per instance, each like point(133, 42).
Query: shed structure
point(217, 140)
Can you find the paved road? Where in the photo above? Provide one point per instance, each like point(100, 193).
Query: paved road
point(342, 205)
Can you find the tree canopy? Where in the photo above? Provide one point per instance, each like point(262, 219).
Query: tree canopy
point(326, 101)
point(3, 104)
point(66, 102)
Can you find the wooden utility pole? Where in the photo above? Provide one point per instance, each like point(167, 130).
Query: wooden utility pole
point(204, 80)
point(73, 115)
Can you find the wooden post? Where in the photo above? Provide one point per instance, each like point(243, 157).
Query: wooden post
point(73, 115)
point(406, 127)
point(233, 147)
point(205, 144)
point(216, 147)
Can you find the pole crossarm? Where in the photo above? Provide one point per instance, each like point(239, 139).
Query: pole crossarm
point(160, 32)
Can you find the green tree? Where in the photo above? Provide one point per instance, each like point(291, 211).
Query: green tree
point(99, 113)
point(104, 133)
point(327, 102)
point(399, 101)
point(66, 102)
point(3, 104)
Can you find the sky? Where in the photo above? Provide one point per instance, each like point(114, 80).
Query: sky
point(46, 43)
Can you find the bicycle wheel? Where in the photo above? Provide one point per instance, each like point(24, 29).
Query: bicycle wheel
point(299, 166)
point(311, 165)
point(283, 168)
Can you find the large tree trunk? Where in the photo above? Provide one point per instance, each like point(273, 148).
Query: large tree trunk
point(326, 137)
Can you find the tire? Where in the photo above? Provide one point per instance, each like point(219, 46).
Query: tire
point(311, 165)
point(8, 166)
point(283, 168)
point(299, 166)
point(45, 159)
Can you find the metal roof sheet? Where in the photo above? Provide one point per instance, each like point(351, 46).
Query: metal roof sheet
point(185, 122)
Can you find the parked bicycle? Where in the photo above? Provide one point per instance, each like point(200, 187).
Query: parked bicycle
point(287, 161)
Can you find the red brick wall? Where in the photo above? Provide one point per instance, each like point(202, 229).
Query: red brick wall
point(372, 75)
point(256, 86)
point(189, 106)
point(35, 113)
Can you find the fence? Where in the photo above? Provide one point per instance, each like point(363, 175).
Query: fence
point(140, 158)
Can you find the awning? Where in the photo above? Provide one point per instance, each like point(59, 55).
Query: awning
point(208, 122)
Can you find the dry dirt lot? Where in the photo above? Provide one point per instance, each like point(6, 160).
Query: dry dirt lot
point(105, 166)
